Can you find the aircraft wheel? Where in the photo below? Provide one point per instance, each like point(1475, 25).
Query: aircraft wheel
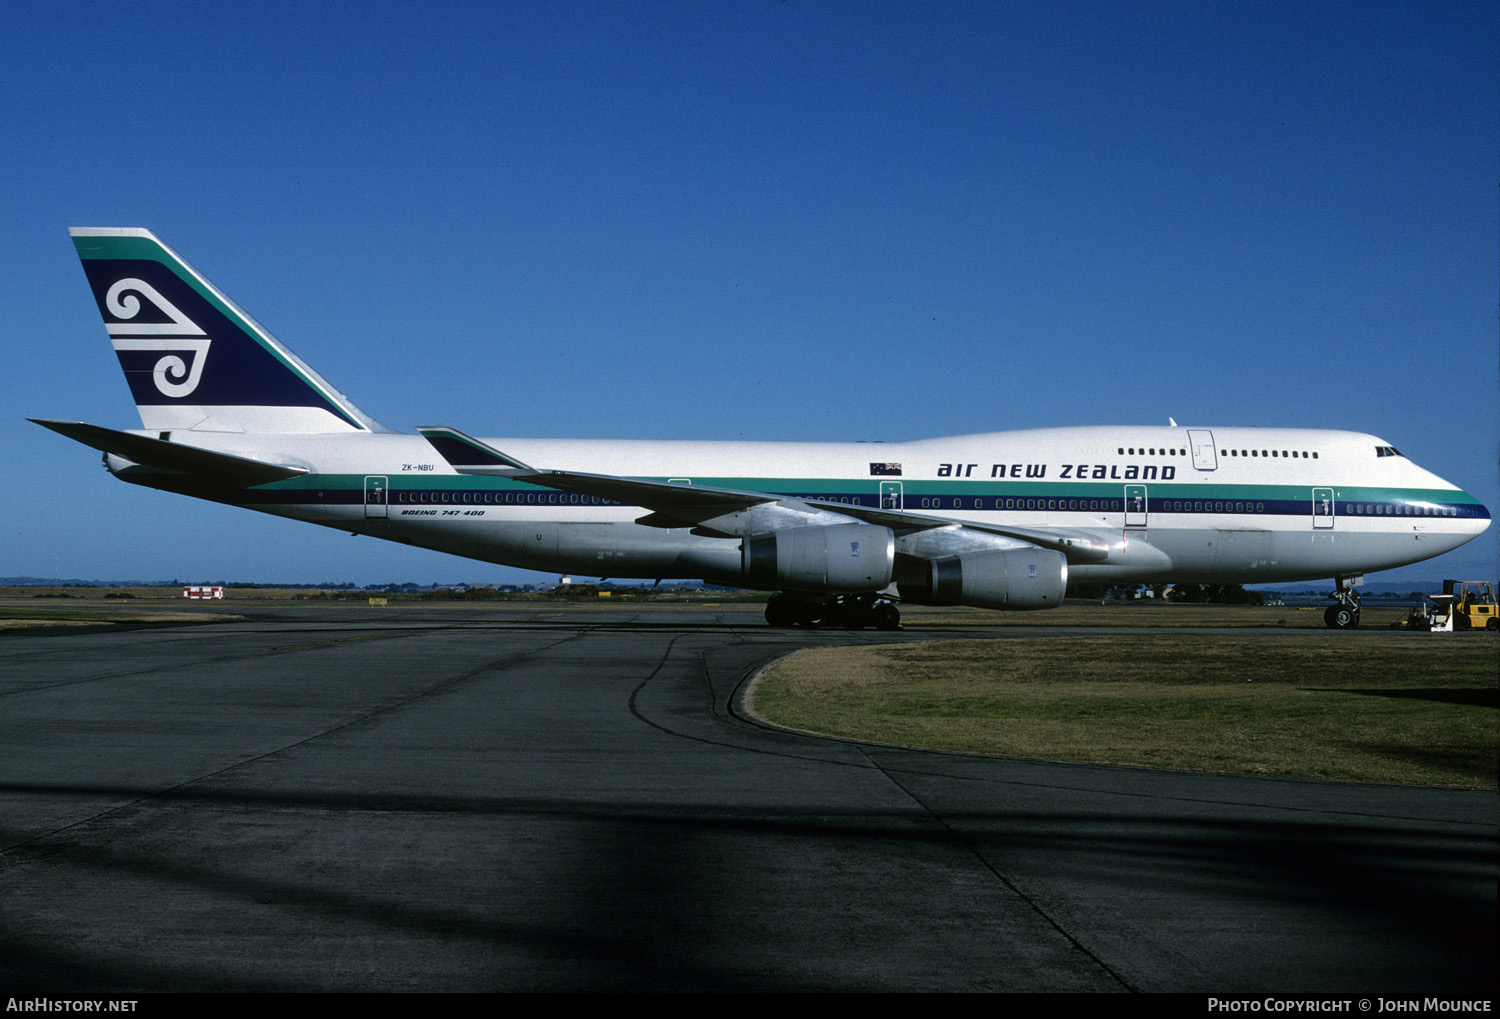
point(812, 615)
point(888, 617)
point(780, 613)
point(1341, 617)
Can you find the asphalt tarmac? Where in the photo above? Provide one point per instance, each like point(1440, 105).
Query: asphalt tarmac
point(553, 797)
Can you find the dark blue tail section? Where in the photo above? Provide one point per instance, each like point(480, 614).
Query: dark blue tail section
point(192, 358)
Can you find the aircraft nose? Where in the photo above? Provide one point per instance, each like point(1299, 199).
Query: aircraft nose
point(1476, 515)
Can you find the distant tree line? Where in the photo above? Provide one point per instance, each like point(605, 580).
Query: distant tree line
point(1216, 594)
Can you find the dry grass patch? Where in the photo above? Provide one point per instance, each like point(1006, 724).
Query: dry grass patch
point(19, 617)
point(1413, 708)
point(1374, 616)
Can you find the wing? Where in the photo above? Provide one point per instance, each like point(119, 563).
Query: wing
point(1079, 546)
point(467, 455)
point(729, 512)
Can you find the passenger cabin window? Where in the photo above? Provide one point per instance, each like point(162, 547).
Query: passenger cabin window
point(1293, 454)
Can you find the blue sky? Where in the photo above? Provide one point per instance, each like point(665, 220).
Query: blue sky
point(769, 220)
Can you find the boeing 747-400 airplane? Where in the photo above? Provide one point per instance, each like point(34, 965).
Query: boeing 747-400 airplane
point(841, 531)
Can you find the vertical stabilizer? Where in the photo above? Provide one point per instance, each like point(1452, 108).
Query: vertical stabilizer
point(192, 358)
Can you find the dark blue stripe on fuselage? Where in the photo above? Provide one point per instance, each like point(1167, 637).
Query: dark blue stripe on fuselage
point(1161, 507)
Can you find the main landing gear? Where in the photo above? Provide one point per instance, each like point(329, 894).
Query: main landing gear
point(845, 611)
point(1344, 614)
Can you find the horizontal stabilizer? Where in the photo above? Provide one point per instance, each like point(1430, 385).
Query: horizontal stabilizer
point(174, 456)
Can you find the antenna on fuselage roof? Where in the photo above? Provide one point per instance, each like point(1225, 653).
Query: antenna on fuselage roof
point(1171, 422)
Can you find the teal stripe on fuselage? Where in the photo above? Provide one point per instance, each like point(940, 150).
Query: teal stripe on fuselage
point(1287, 499)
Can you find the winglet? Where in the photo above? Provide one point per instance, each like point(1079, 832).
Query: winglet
point(467, 455)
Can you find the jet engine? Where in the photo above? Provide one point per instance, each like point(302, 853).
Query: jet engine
point(1016, 578)
point(835, 557)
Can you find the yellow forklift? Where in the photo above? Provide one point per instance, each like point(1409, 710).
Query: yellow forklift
point(1474, 605)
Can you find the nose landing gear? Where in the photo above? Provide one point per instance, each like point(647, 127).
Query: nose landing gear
point(1344, 614)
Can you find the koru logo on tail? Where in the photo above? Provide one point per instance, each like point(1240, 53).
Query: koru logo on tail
point(180, 335)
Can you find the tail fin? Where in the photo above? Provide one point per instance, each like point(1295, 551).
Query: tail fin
point(192, 358)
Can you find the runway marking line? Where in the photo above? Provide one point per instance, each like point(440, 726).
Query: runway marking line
point(368, 636)
point(397, 633)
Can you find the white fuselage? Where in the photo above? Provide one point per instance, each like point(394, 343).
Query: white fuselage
point(1220, 505)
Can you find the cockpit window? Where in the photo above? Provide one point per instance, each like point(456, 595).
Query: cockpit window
point(1387, 451)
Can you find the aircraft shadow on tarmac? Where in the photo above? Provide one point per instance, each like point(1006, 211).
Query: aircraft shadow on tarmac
point(641, 883)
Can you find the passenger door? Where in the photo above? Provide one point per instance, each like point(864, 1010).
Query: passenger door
point(1135, 505)
point(376, 499)
point(890, 495)
point(1322, 508)
point(1201, 444)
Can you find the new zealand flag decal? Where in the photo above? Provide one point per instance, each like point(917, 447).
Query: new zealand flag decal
point(885, 470)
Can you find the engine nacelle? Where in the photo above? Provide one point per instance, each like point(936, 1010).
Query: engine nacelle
point(836, 557)
point(1015, 578)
